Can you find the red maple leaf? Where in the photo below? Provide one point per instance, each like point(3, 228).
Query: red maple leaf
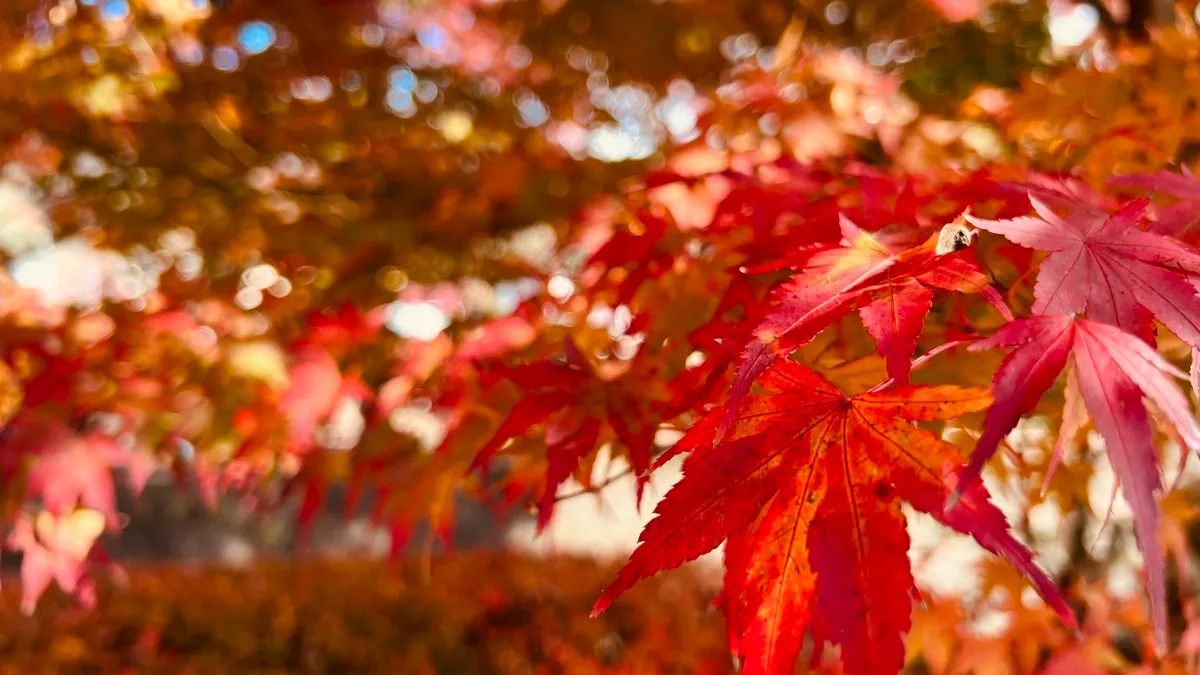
point(348, 327)
point(807, 487)
point(646, 253)
point(1181, 218)
point(576, 401)
point(1114, 370)
point(54, 383)
point(890, 285)
point(1109, 267)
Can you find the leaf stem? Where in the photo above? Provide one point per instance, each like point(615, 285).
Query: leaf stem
point(595, 488)
point(923, 359)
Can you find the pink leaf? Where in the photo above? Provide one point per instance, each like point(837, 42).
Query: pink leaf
point(1118, 413)
point(1114, 370)
point(1043, 344)
point(315, 385)
point(56, 550)
point(1109, 267)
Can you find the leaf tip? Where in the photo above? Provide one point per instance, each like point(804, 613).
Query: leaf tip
point(599, 607)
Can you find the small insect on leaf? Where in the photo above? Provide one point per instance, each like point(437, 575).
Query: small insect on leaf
point(955, 236)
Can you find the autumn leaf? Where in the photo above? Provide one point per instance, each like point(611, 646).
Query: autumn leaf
point(577, 402)
point(494, 338)
point(315, 387)
point(641, 248)
point(313, 383)
point(807, 488)
point(56, 549)
point(1178, 219)
point(889, 283)
point(1114, 371)
point(1109, 267)
point(70, 469)
point(348, 327)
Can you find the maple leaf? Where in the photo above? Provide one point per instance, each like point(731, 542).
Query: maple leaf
point(1107, 266)
point(316, 387)
point(1178, 219)
point(348, 327)
point(314, 380)
point(1113, 371)
point(53, 383)
point(646, 248)
point(76, 471)
point(70, 469)
point(890, 285)
point(495, 337)
point(806, 487)
point(56, 549)
point(577, 401)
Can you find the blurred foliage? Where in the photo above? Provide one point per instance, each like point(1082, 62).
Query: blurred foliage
point(471, 613)
point(202, 194)
point(1134, 111)
point(475, 614)
point(997, 53)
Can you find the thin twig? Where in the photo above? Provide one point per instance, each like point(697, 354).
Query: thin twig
point(595, 488)
point(923, 359)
